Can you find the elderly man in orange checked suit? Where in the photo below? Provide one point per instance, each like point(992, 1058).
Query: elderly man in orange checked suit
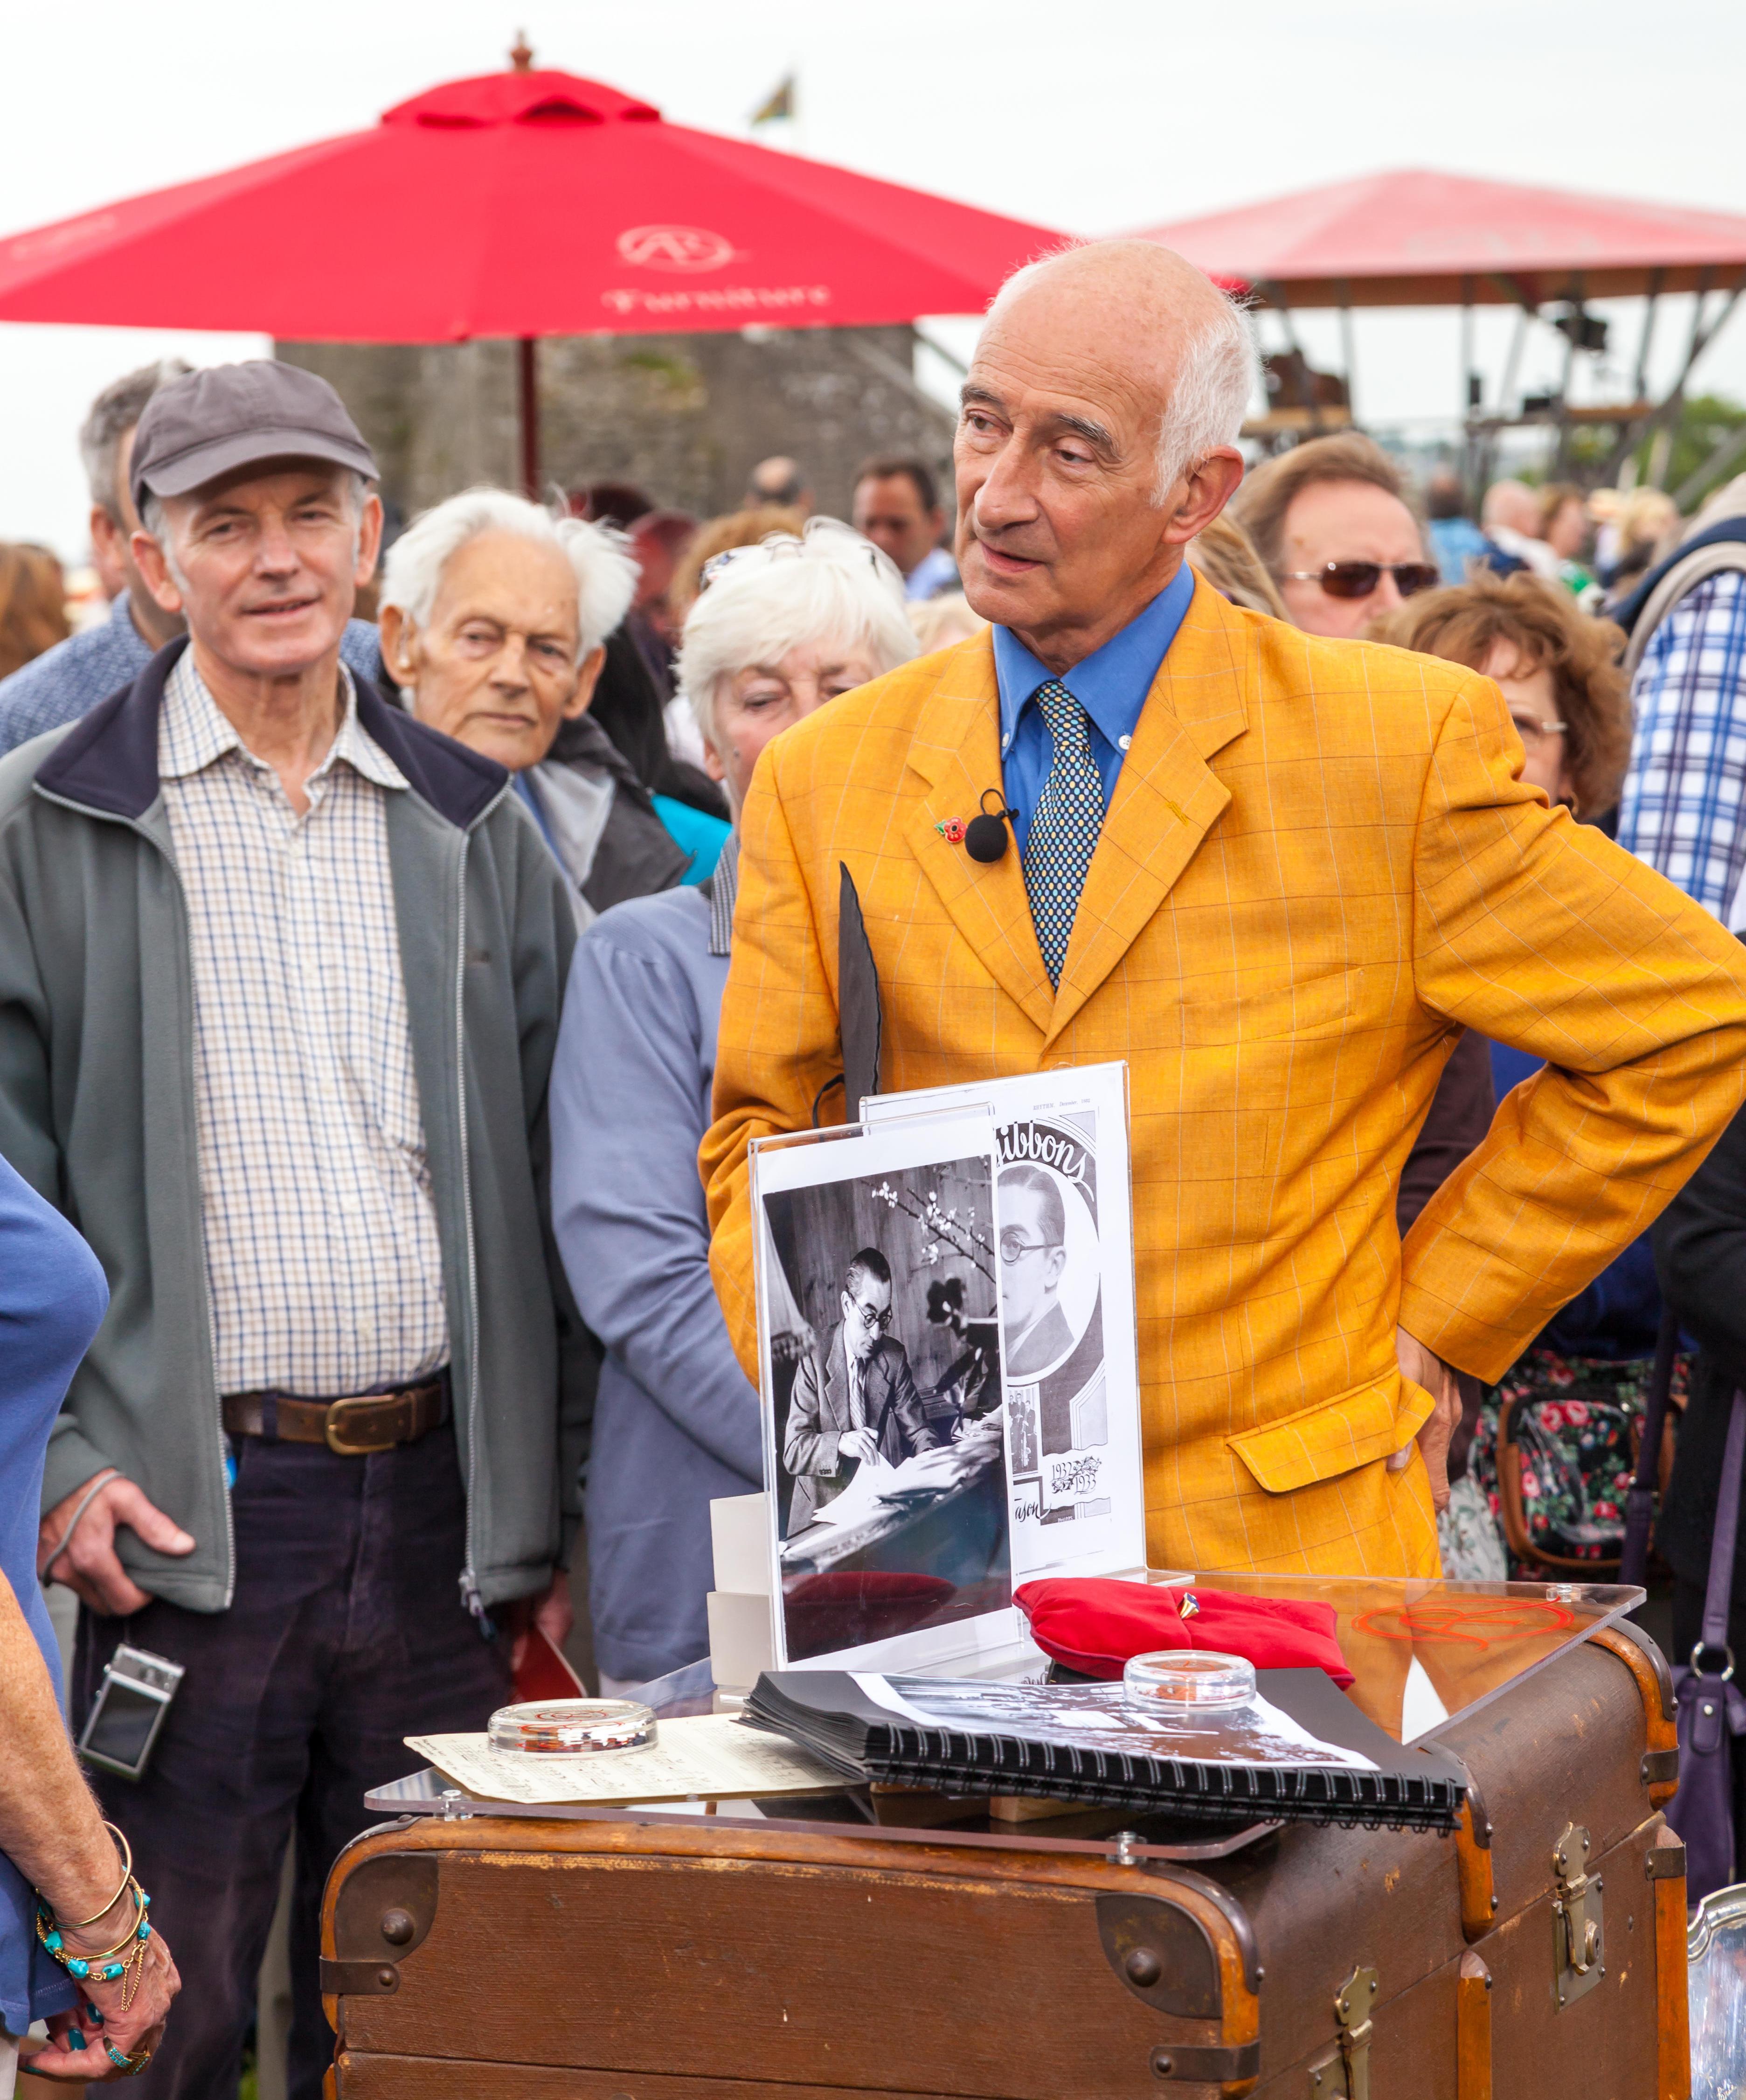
point(1276, 873)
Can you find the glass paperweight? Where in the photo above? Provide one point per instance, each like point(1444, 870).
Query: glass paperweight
point(1188, 1680)
point(568, 1727)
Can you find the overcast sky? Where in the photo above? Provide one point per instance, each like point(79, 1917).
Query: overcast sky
point(1093, 116)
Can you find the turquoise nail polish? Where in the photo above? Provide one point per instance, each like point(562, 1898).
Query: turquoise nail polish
point(75, 2040)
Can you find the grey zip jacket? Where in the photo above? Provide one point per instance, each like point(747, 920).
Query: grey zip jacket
point(97, 1112)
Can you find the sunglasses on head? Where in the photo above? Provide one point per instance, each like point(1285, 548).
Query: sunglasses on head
point(1358, 579)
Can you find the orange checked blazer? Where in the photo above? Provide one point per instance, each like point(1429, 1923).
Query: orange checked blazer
point(1318, 866)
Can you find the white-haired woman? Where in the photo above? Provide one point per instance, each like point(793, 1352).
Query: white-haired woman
point(495, 617)
point(779, 630)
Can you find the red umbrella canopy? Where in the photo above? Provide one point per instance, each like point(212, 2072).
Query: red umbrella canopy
point(1414, 238)
point(516, 204)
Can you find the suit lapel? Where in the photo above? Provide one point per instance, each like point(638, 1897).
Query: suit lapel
point(1166, 799)
point(956, 750)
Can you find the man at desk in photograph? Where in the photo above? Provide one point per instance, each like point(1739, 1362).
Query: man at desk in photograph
point(1032, 1254)
point(867, 1411)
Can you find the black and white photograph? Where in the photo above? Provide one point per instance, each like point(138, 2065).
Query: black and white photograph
point(1064, 1241)
point(882, 1349)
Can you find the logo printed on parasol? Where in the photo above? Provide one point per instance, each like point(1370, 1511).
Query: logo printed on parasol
point(684, 248)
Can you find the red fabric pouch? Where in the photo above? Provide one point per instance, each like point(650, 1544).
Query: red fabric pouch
point(1096, 1625)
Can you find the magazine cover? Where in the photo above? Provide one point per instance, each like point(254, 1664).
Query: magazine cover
point(879, 1320)
point(1065, 1240)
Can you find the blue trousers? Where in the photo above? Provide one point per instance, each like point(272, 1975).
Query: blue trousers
point(346, 1632)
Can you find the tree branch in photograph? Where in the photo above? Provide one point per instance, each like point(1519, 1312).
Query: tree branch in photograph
point(945, 1228)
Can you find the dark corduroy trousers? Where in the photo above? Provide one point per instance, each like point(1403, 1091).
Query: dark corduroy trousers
point(346, 1632)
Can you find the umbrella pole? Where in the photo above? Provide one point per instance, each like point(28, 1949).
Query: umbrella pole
point(527, 413)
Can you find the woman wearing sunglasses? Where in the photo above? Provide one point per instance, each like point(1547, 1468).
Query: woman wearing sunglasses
point(1330, 521)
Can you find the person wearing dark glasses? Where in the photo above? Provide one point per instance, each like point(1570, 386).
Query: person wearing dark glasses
point(1331, 522)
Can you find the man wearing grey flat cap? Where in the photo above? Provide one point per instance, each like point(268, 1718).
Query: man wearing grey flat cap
point(279, 976)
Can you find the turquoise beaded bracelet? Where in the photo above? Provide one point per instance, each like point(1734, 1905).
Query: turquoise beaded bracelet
point(96, 1968)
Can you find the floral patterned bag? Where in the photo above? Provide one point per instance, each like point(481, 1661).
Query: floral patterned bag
point(1567, 1434)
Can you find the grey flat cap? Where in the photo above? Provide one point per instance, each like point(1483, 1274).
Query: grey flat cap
point(210, 423)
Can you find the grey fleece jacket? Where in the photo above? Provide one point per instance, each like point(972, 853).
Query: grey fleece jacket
point(97, 1112)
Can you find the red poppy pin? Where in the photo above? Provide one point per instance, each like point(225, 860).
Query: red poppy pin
point(983, 837)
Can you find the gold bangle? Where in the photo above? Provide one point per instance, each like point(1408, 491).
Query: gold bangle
point(126, 1851)
point(127, 1938)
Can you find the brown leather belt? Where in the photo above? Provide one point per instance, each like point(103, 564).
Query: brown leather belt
point(353, 1428)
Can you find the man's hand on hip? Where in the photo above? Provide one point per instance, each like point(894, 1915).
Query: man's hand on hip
point(1424, 1368)
point(89, 1565)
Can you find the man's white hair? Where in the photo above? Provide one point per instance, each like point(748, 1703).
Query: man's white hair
point(829, 586)
point(605, 571)
point(1215, 379)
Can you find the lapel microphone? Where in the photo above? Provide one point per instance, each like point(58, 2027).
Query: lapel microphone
point(986, 835)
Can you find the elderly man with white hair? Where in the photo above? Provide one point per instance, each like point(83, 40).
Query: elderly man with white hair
point(495, 617)
point(779, 630)
point(1277, 872)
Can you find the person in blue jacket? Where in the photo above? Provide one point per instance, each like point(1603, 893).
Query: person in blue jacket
point(54, 1845)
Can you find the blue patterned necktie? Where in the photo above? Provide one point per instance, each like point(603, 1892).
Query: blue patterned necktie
point(1064, 828)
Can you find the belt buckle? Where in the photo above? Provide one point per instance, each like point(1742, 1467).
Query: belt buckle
point(334, 1427)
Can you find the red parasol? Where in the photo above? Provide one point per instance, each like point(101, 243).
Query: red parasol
point(1414, 238)
point(518, 203)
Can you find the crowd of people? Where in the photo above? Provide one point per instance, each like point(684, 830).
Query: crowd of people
point(371, 988)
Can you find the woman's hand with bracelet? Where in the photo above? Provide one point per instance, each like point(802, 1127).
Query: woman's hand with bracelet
point(124, 1972)
point(117, 2023)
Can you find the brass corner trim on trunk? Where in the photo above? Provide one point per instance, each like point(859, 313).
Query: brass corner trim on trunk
point(1665, 1860)
point(1162, 1954)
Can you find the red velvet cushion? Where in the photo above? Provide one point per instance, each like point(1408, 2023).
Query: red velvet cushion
point(1095, 1626)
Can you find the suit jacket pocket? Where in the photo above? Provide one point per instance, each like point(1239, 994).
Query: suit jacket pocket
point(1333, 1436)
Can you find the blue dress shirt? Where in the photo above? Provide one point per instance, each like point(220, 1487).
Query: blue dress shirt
point(1111, 685)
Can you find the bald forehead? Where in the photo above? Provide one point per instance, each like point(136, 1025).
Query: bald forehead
point(1107, 314)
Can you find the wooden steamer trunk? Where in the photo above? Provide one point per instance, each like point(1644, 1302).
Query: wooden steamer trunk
point(619, 1956)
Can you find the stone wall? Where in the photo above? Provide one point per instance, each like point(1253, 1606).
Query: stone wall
point(685, 416)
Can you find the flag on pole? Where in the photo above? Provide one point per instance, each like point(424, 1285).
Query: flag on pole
point(779, 105)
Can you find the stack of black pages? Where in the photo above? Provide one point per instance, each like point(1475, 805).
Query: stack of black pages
point(1299, 1751)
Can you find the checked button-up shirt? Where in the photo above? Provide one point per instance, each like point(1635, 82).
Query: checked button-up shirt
point(322, 1254)
point(1683, 809)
